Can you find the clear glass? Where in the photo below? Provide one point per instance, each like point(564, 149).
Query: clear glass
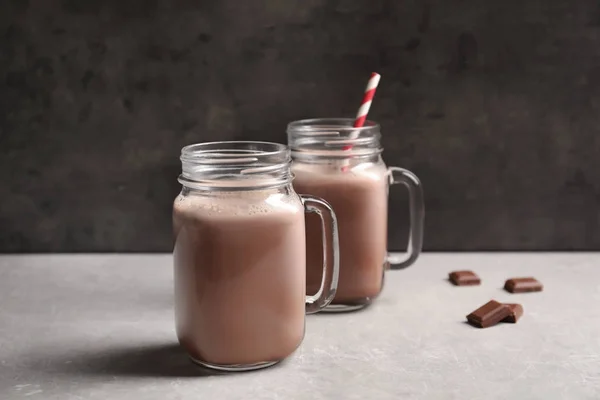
point(343, 165)
point(239, 255)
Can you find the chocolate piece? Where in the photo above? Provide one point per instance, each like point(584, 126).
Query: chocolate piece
point(523, 285)
point(489, 314)
point(464, 278)
point(516, 312)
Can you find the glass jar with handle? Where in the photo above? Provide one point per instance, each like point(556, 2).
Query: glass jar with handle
point(343, 165)
point(239, 255)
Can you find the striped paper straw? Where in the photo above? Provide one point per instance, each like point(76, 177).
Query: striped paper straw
point(363, 110)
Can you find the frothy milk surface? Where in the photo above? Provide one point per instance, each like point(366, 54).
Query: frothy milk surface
point(239, 275)
point(359, 199)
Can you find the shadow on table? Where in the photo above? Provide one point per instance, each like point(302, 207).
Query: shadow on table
point(167, 360)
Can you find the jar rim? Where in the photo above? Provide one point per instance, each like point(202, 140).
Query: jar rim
point(327, 138)
point(235, 164)
point(330, 124)
point(222, 149)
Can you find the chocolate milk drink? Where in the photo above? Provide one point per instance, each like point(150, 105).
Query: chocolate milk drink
point(239, 276)
point(240, 255)
point(359, 198)
point(342, 164)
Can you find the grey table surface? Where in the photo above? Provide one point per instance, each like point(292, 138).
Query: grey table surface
point(101, 327)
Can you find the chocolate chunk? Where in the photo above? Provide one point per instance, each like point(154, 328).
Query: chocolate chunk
point(489, 314)
point(464, 278)
point(516, 312)
point(523, 285)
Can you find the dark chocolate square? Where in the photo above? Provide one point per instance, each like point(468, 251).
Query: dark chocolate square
point(516, 312)
point(488, 314)
point(523, 285)
point(464, 278)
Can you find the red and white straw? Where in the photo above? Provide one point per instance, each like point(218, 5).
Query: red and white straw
point(365, 105)
point(363, 110)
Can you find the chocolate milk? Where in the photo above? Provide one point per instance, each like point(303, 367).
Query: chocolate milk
point(359, 199)
point(239, 276)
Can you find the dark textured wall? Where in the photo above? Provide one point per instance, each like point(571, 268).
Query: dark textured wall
point(494, 104)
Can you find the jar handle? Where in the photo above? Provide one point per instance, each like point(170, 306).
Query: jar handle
point(331, 253)
point(400, 260)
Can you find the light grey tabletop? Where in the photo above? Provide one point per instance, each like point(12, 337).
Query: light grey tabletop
point(101, 327)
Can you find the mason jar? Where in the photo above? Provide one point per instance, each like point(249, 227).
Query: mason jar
point(239, 255)
point(343, 165)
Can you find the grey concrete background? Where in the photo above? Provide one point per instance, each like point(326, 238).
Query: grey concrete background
point(494, 104)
